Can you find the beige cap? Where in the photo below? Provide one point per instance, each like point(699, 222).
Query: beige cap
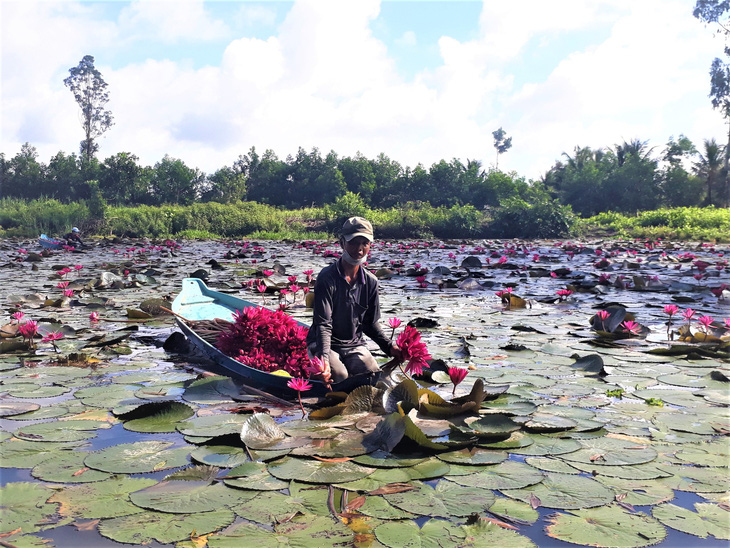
point(357, 226)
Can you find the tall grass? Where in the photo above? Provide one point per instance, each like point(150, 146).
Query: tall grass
point(681, 223)
point(41, 216)
point(414, 220)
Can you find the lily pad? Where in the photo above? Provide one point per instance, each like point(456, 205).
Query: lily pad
point(506, 475)
point(148, 527)
point(298, 531)
point(312, 471)
point(101, 499)
point(67, 467)
point(611, 452)
point(606, 526)
point(185, 497)
point(253, 475)
point(137, 458)
point(9, 408)
point(24, 507)
point(433, 533)
point(708, 520)
point(446, 500)
point(564, 491)
point(157, 417)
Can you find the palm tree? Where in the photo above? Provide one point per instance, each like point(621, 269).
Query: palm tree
point(709, 166)
point(632, 148)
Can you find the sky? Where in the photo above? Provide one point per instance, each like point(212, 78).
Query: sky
point(419, 81)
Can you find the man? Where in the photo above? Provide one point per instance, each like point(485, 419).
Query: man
point(346, 305)
point(73, 238)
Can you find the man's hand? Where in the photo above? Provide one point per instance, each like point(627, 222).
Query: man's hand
point(396, 353)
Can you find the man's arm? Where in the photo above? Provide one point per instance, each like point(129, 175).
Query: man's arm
point(322, 317)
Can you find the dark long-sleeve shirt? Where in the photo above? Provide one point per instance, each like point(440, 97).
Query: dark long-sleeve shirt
point(343, 312)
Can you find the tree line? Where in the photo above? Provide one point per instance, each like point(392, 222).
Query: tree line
point(626, 178)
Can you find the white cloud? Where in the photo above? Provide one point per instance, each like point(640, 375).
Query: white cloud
point(323, 80)
point(171, 21)
point(408, 39)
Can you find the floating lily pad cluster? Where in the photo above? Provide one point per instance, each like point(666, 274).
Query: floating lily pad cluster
point(562, 420)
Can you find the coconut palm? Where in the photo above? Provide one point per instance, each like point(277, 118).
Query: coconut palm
point(709, 166)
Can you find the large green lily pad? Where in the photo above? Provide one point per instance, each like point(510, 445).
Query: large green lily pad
point(446, 500)
point(24, 506)
point(184, 497)
point(102, 499)
point(139, 457)
point(611, 452)
point(709, 519)
point(564, 491)
point(313, 471)
point(67, 467)
point(507, 475)
point(606, 526)
point(298, 532)
point(147, 527)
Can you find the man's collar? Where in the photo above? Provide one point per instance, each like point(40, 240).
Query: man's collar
point(360, 271)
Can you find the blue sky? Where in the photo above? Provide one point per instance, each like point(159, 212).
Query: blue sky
point(418, 81)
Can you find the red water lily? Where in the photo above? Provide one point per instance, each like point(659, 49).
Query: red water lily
point(300, 385)
point(52, 337)
point(630, 327)
point(457, 374)
point(28, 330)
point(414, 350)
point(393, 323)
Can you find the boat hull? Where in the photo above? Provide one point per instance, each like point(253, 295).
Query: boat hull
point(48, 243)
point(197, 302)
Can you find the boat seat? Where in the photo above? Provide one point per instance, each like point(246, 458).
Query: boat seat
point(202, 300)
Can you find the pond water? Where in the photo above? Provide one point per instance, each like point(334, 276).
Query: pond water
point(617, 431)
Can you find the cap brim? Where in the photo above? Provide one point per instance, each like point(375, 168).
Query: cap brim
point(356, 234)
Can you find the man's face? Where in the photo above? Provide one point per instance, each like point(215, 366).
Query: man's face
point(358, 247)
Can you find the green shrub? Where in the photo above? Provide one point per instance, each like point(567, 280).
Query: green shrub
point(545, 218)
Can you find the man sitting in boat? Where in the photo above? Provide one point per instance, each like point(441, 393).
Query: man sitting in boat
point(346, 305)
point(73, 238)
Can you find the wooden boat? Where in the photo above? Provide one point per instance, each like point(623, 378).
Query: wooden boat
point(50, 243)
point(197, 302)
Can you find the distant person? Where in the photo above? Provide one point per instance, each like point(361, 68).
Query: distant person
point(73, 238)
point(346, 306)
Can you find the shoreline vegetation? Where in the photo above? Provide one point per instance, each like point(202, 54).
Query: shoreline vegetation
point(211, 220)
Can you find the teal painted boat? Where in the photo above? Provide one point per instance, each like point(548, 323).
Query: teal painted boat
point(50, 243)
point(198, 302)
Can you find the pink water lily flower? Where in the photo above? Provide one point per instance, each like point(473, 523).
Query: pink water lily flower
point(62, 285)
point(563, 293)
point(68, 292)
point(316, 367)
point(94, 316)
point(52, 337)
point(457, 374)
point(688, 314)
point(671, 309)
point(630, 327)
point(17, 316)
point(413, 350)
point(300, 385)
point(603, 316)
point(393, 323)
point(28, 330)
point(706, 322)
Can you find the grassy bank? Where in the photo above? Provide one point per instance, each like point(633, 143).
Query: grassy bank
point(707, 224)
point(414, 220)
